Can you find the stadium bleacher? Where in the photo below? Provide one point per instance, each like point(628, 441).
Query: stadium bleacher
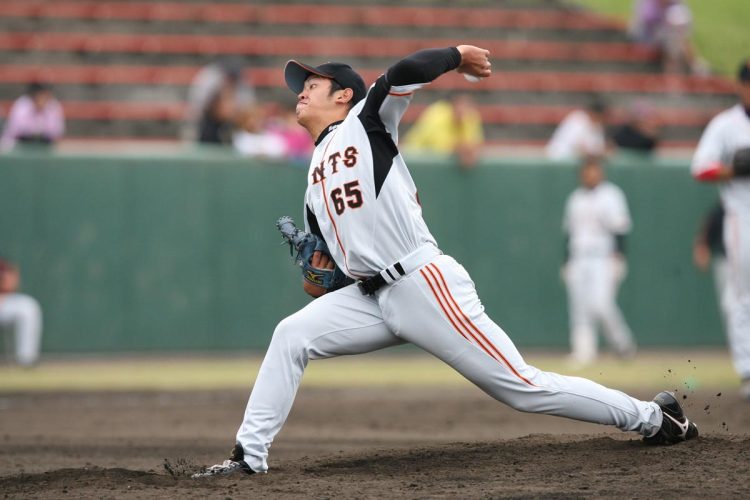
point(122, 69)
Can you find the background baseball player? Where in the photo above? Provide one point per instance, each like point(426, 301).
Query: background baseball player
point(709, 252)
point(596, 221)
point(581, 133)
point(20, 314)
point(723, 155)
point(362, 201)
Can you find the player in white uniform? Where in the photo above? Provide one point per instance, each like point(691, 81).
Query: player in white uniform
point(361, 199)
point(723, 155)
point(596, 221)
point(581, 133)
point(19, 314)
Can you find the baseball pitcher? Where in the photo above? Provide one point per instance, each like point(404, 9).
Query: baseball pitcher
point(362, 202)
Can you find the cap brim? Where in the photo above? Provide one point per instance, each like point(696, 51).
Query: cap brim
point(295, 74)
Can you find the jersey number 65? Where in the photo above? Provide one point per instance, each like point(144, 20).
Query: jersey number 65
point(350, 196)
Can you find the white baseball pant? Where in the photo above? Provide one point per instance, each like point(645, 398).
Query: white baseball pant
point(437, 309)
point(22, 314)
point(737, 243)
point(592, 283)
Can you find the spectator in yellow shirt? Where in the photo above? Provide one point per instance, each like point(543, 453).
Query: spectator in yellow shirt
point(451, 128)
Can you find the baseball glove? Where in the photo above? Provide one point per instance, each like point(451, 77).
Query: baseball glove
point(306, 244)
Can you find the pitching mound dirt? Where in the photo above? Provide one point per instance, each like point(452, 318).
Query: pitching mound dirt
point(347, 443)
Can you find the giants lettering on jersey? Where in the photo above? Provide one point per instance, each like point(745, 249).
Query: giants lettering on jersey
point(348, 158)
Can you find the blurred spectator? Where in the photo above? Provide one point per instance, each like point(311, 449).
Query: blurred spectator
point(252, 139)
point(19, 314)
point(580, 134)
point(35, 118)
point(709, 252)
point(449, 127)
point(297, 143)
point(667, 26)
point(641, 131)
point(216, 96)
point(596, 221)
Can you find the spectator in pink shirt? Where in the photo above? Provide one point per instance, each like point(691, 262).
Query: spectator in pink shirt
point(35, 118)
point(299, 147)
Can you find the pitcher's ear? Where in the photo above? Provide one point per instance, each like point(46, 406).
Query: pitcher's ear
point(345, 96)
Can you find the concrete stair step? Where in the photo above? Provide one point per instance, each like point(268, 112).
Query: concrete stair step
point(550, 14)
point(93, 27)
point(263, 77)
point(172, 93)
point(495, 115)
point(324, 47)
point(374, 63)
point(122, 68)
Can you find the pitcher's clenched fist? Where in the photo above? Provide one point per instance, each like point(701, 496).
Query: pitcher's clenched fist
point(475, 61)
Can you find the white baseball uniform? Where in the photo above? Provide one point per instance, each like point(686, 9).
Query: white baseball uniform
point(21, 315)
point(728, 132)
point(593, 272)
point(363, 201)
point(576, 136)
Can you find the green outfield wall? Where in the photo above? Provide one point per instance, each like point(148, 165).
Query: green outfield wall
point(181, 253)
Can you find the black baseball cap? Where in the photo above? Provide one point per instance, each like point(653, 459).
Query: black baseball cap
point(743, 74)
point(295, 74)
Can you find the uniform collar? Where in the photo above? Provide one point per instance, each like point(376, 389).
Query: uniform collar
point(594, 188)
point(330, 128)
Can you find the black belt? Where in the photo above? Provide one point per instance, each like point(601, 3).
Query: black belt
point(375, 283)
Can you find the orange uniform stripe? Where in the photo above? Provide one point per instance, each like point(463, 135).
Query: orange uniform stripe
point(440, 303)
point(449, 310)
point(477, 330)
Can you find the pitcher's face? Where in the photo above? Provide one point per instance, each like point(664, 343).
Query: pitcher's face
point(315, 98)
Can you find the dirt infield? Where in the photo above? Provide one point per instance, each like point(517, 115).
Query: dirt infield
point(357, 443)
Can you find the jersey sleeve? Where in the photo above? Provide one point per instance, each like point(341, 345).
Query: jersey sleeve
point(709, 155)
point(618, 215)
point(390, 95)
point(384, 107)
point(423, 66)
point(311, 222)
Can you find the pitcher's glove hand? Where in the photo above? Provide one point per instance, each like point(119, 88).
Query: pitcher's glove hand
point(306, 244)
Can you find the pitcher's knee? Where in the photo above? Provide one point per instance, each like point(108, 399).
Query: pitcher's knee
point(290, 336)
point(522, 402)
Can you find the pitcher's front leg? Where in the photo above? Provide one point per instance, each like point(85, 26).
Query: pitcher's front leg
point(339, 323)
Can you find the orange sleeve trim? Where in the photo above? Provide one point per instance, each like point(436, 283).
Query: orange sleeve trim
point(712, 173)
point(399, 94)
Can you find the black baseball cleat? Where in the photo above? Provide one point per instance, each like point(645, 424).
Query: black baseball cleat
point(675, 426)
point(236, 463)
